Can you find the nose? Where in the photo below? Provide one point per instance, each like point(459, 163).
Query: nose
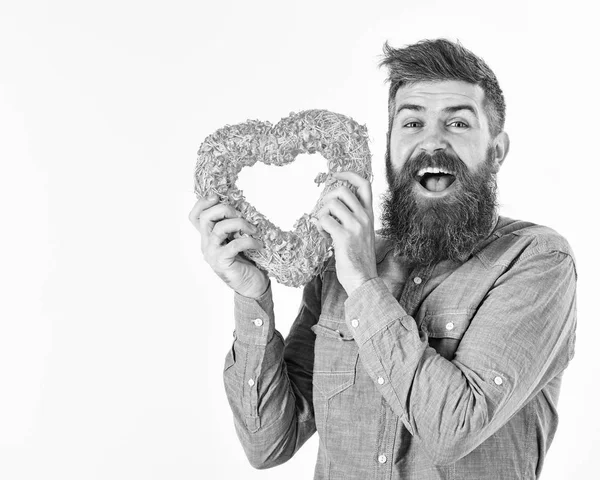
point(434, 140)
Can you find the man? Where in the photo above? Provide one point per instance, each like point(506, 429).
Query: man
point(432, 350)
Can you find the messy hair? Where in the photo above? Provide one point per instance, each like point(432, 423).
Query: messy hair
point(439, 60)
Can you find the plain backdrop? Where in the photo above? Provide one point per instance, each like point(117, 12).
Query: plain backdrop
point(113, 330)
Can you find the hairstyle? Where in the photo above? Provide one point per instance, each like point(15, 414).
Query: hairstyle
point(438, 60)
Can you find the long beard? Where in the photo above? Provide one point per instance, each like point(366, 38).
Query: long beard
point(426, 231)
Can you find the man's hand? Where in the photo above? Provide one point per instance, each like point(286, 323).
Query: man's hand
point(348, 219)
point(220, 227)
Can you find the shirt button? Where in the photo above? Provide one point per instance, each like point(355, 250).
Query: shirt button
point(258, 322)
point(449, 326)
point(382, 459)
point(251, 382)
point(380, 381)
point(417, 280)
point(354, 323)
point(498, 380)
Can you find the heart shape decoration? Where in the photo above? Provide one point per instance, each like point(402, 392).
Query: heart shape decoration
point(293, 258)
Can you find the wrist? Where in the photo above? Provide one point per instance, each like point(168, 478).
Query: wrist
point(258, 291)
point(351, 288)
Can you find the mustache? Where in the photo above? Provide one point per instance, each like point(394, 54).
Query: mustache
point(440, 159)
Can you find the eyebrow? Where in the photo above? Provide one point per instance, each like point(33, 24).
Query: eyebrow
point(409, 106)
point(420, 108)
point(458, 108)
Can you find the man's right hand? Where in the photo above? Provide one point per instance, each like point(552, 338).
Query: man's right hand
point(220, 227)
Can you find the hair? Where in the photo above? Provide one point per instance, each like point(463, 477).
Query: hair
point(439, 60)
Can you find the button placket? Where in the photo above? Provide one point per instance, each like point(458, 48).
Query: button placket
point(387, 439)
point(413, 289)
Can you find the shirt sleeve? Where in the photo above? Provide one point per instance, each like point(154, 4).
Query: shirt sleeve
point(268, 381)
point(521, 337)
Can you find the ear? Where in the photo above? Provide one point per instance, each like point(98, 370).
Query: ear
point(500, 145)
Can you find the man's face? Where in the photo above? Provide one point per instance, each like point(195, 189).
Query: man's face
point(441, 169)
point(439, 117)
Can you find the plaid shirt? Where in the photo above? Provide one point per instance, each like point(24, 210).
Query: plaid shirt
point(447, 371)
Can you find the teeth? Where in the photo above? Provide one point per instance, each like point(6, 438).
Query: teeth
point(434, 170)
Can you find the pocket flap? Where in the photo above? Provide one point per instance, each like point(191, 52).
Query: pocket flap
point(332, 328)
point(447, 324)
point(332, 383)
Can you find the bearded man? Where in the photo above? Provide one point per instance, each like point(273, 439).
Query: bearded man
point(433, 349)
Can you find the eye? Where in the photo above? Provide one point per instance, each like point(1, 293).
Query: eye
point(458, 124)
point(412, 125)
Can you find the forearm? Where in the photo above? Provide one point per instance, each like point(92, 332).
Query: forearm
point(511, 351)
point(272, 417)
point(441, 407)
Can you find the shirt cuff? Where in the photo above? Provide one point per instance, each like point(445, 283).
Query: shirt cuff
point(371, 308)
point(254, 318)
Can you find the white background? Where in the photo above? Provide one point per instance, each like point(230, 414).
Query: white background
point(113, 331)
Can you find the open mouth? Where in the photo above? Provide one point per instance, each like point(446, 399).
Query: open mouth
point(434, 179)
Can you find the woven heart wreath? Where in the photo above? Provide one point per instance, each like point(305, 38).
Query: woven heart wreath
point(293, 258)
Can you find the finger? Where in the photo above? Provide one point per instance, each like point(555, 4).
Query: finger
point(364, 192)
point(337, 209)
point(241, 244)
point(347, 197)
point(323, 233)
point(201, 204)
point(209, 217)
point(331, 226)
point(224, 228)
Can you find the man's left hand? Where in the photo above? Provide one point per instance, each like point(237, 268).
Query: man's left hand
point(348, 219)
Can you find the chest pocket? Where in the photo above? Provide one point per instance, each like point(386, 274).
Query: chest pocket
point(336, 355)
point(446, 329)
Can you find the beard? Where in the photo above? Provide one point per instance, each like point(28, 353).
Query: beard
point(427, 230)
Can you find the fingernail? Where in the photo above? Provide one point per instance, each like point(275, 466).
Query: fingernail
point(212, 197)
